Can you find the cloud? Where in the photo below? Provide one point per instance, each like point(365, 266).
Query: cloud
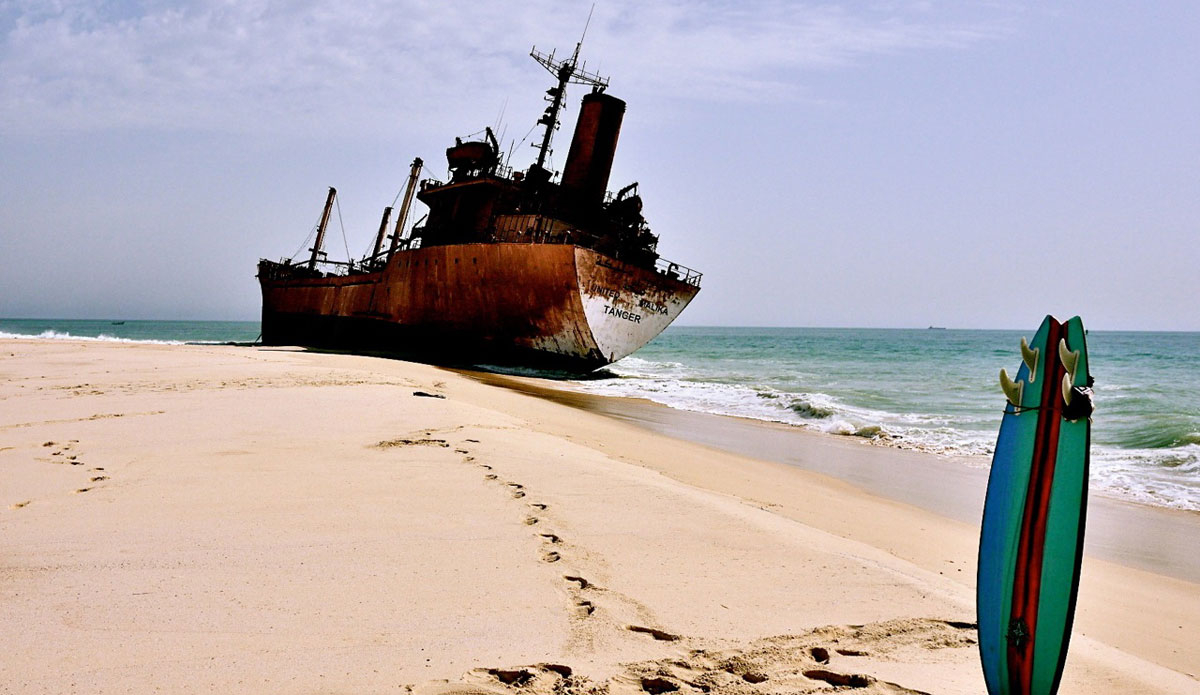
point(263, 67)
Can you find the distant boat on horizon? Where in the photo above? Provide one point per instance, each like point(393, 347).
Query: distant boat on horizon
point(937, 328)
point(118, 323)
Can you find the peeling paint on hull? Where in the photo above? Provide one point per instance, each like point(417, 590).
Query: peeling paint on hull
point(543, 305)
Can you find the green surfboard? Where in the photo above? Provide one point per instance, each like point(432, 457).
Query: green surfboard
point(1031, 542)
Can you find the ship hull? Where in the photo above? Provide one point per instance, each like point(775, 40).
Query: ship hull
point(554, 306)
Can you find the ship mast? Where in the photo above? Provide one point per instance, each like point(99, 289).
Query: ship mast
point(387, 212)
point(316, 249)
point(568, 71)
point(413, 174)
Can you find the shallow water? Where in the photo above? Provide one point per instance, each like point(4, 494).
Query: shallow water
point(934, 390)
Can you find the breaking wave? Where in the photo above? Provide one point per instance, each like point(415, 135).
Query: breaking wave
point(1147, 460)
point(102, 338)
point(807, 409)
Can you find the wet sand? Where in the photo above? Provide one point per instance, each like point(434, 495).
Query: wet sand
point(1155, 539)
point(200, 518)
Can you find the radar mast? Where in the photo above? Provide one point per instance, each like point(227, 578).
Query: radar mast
point(568, 71)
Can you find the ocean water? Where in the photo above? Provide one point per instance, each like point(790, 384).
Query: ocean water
point(934, 390)
point(117, 330)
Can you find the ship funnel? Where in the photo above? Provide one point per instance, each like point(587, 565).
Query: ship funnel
point(592, 148)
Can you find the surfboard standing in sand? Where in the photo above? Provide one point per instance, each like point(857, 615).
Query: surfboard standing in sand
point(1031, 543)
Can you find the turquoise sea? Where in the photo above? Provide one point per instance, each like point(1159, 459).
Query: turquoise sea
point(934, 390)
point(117, 330)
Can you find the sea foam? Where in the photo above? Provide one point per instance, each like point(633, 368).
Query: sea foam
point(1164, 473)
point(102, 338)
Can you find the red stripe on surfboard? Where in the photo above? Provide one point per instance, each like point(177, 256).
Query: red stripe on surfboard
point(1027, 577)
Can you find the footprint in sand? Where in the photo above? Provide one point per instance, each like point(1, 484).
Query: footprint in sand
point(657, 686)
point(785, 663)
point(551, 538)
point(513, 677)
point(98, 478)
point(518, 494)
point(538, 506)
point(392, 443)
point(82, 490)
point(852, 680)
point(490, 476)
point(583, 583)
point(529, 677)
point(551, 556)
point(659, 635)
point(531, 520)
point(18, 505)
point(584, 607)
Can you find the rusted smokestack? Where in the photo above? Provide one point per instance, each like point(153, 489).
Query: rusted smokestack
point(592, 147)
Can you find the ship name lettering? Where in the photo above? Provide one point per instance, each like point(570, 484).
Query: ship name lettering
point(603, 291)
point(653, 306)
point(627, 315)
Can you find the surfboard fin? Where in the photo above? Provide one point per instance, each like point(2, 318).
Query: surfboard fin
point(1070, 359)
point(1066, 389)
point(1030, 355)
point(1012, 389)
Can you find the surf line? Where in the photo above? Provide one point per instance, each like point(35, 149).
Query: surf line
point(1027, 578)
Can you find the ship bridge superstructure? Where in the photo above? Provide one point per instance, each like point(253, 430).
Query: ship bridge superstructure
point(483, 201)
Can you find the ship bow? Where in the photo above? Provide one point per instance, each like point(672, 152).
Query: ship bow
point(627, 306)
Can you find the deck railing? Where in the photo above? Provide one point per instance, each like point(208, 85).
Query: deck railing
point(679, 272)
point(580, 238)
point(326, 268)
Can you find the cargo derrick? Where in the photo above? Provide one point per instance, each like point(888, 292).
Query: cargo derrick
point(506, 267)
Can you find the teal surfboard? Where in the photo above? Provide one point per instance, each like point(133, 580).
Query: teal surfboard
point(1031, 543)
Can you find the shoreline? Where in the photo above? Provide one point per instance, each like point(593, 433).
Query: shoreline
point(1142, 536)
point(201, 517)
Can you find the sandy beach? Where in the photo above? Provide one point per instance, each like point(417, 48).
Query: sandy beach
point(203, 518)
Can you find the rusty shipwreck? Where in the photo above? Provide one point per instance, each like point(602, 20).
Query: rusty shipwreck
point(508, 267)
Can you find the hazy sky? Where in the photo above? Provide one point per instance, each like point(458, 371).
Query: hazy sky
point(826, 164)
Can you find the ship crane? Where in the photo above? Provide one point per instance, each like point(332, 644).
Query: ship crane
point(568, 71)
